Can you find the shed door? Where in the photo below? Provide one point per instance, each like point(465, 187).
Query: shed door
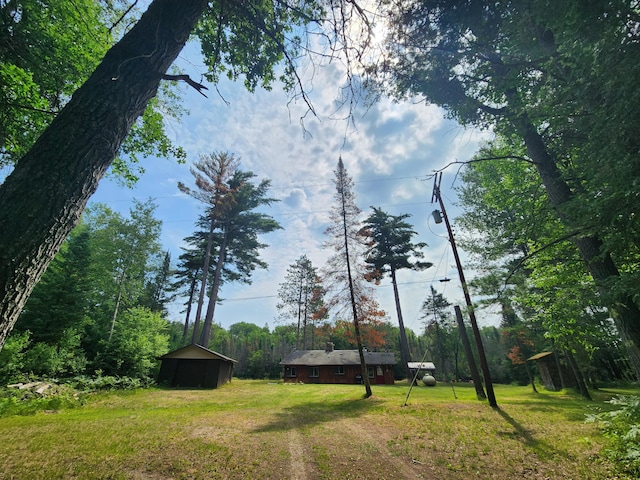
point(190, 373)
point(379, 375)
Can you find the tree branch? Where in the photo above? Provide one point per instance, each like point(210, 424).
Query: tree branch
point(185, 78)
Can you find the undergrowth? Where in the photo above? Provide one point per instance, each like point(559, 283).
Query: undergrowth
point(621, 426)
point(70, 394)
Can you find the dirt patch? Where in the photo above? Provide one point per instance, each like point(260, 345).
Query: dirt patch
point(296, 452)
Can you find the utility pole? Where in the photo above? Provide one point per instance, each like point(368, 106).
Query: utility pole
point(472, 316)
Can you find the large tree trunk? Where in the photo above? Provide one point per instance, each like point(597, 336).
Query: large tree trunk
point(599, 263)
point(41, 201)
point(213, 297)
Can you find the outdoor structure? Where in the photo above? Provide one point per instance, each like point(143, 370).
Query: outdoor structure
point(550, 374)
point(337, 366)
point(422, 369)
point(195, 366)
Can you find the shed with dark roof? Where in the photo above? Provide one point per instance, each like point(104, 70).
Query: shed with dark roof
point(337, 366)
point(195, 366)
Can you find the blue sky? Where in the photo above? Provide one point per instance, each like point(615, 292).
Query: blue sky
point(388, 151)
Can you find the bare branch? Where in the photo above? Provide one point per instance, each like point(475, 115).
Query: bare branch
point(126, 12)
point(185, 78)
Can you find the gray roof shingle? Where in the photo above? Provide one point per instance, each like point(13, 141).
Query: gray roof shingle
point(336, 357)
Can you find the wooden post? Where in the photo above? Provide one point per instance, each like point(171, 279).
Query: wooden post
point(472, 316)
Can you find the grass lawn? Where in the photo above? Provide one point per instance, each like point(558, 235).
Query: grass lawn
point(264, 430)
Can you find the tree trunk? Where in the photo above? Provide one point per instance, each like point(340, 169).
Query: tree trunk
point(404, 345)
point(599, 263)
point(354, 309)
point(64, 166)
point(116, 308)
point(473, 369)
point(213, 296)
point(577, 374)
point(203, 281)
point(192, 290)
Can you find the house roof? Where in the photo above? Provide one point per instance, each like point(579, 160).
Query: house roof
point(337, 357)
point(421, 365)
point(197, 352)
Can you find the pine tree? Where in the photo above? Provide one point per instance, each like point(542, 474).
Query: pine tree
point(344, 274)
point(391, 249)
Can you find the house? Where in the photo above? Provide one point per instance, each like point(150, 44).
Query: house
point(337, 366)
point(195, 366)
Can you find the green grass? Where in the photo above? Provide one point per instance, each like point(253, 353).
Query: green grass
point(253, 429)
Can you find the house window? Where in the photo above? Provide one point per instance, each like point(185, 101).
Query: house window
point(338, 370)
point(371, 375)
point(314, 372)
point(291, 371)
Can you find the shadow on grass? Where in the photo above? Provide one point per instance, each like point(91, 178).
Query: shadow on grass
point(542, 448)
point(309, 414)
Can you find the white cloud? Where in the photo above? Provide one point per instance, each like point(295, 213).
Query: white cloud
point(388, 154)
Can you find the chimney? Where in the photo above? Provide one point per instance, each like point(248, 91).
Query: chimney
point(329, 347)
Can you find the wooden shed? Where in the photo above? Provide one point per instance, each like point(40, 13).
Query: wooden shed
point(337, 366)
point(195, 366)
point(552, 374)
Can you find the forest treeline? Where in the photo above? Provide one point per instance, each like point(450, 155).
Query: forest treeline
point(550, 202)
point(100, 310)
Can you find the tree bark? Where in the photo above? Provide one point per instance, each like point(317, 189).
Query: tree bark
point(213, 297)
point(404, 345)
point(203, 281)
point(64, 166)
point(599, 263)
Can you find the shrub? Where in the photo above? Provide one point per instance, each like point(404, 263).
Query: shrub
point(621, 426)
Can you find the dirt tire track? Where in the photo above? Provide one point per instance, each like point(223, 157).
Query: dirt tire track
point(375, 437)
point(298, 466)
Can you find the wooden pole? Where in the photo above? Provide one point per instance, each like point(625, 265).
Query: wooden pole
point(472, 316)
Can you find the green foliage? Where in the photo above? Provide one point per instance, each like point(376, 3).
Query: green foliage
point(301, 297)
point(49, 48)
point(12, 358)
point(251, 38)
point(14, 401)
point(622, 427)
point(390, 245)
point(109, 264)
point(60, 300)
point(100, 382)
point(138, 340)
point(62, 360)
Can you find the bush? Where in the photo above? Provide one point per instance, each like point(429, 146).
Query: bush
point(108, 382)
point(12, 358)
point(621, 426)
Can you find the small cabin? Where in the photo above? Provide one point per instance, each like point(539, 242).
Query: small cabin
point(552, 373)
point(337, 366)
point(195, 366)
